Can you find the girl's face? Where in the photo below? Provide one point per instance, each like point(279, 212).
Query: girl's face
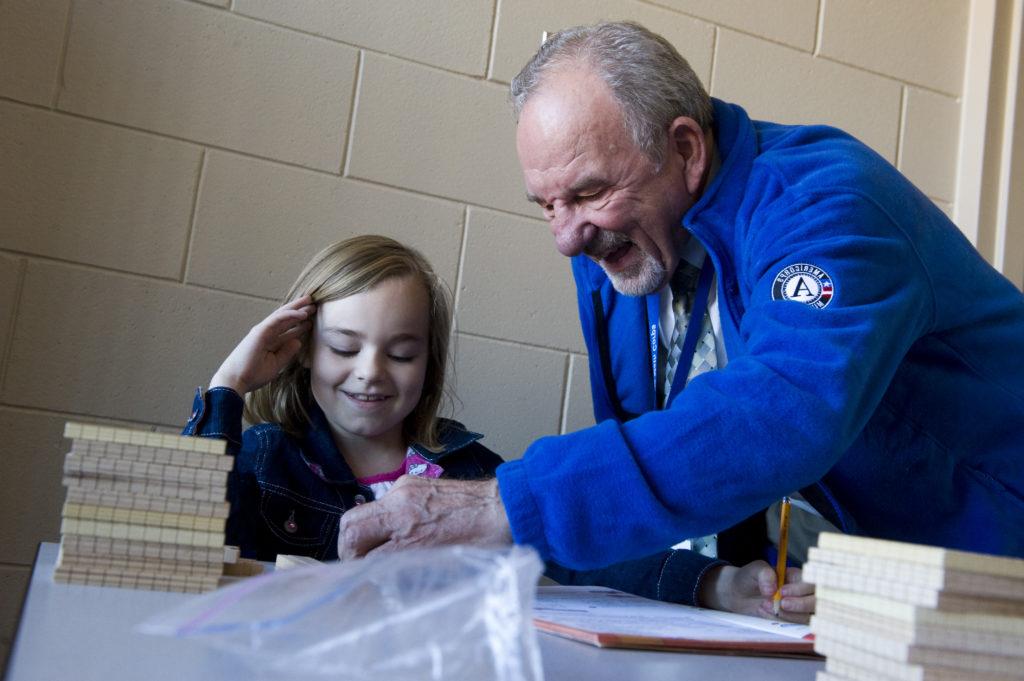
point(368, 361)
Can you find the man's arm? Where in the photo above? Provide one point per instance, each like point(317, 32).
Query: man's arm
point(792, 400)
point(420, 512)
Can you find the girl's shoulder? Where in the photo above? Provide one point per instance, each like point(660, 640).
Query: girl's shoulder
point(462, 455)
point(263, 437)
point(454, 435)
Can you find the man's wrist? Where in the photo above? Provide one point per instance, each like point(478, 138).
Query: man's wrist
point(499, 520)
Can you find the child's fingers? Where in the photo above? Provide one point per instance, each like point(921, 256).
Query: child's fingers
point(803, 605)
point(295, 333)
point(794, 585)
point(791, 609)
point(766, 581)
point(798, 589)
point(283, 319)
point(300, 302)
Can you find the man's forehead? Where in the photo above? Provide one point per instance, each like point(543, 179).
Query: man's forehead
point(575, 96)
point(568, 118)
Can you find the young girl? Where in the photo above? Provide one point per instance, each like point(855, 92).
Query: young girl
point(344, 382)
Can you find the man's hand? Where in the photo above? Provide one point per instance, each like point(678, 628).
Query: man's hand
point(420, 512)
point(748, 590)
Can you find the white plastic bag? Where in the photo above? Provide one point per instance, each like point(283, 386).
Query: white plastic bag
point(447, 613)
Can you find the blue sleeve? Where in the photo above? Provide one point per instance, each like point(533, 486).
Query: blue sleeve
point(672, 576)
point(775, 420)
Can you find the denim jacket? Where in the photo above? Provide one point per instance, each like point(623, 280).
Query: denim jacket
point(287, 494)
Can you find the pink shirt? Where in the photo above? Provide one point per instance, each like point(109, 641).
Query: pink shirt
point(414, 464)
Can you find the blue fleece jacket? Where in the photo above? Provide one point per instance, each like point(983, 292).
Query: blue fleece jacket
point(875, 363)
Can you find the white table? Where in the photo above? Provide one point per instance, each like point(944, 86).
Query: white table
point(84, 633)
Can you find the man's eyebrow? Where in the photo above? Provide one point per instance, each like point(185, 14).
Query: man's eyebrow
point(581, 185)
point(587, 182)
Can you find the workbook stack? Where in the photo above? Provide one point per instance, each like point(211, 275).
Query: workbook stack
point(890, 611)
point(144, 510)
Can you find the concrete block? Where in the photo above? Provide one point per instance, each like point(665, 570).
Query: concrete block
point(34, 449)
point(521, 24)
point(919, 41)
point(931, 131)
point(437, 133)
point(580, 411)
point(116, 346)
point(258, 223)
point(31, 40)
point(202, 74)
point(450, 35)
point(786, 86)
point(10, 274)
point(94, 193)
point(510, 393)
point(792, 22)
point(515, 285)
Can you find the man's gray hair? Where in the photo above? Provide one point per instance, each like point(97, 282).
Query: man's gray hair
point(651, 81)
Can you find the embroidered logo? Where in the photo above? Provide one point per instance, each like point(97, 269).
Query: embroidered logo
point(803, 283)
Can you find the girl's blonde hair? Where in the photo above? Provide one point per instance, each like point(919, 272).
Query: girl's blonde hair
point(343, 269)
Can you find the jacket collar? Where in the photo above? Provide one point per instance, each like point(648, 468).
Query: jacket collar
point(721, 200)
point(321, 454)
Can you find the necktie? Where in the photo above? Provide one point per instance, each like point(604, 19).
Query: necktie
point(684, 287)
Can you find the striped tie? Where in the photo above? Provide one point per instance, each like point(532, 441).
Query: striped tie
point(684, 286)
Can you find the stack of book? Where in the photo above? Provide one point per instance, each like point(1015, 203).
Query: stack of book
point(894, 611)
point(144, 510)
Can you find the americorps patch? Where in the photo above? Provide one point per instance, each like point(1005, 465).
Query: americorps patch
point(803, 283)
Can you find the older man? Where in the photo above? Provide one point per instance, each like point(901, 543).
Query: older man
point(834, 333)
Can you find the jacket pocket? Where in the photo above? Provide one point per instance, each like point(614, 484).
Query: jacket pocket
point(296, 523)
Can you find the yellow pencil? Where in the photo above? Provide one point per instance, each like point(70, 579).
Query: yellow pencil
point(780, 562)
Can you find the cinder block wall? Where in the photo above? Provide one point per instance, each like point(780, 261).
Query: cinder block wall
point(167, 166)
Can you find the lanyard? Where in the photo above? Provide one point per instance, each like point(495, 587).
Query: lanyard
point(693, 329)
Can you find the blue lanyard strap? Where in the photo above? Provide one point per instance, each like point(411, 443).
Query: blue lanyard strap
point(693, 329)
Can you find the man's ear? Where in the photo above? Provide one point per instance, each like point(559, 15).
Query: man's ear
point(692, 149)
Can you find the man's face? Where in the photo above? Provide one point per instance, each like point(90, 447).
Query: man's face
point(601, 195)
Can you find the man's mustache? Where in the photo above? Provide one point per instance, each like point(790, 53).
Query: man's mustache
point(604, 243)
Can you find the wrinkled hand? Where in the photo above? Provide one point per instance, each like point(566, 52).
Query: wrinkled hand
point(748, 590)
point(267, 348)
point(419, 512)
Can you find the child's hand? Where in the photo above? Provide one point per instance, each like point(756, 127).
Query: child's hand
point(267, 348)
point(748, 590)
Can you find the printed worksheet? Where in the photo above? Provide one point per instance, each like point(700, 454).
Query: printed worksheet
point(607, 617)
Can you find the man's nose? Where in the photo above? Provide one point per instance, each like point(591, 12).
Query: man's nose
point(571, 229)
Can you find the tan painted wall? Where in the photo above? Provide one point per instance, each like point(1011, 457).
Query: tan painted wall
point(167, 166)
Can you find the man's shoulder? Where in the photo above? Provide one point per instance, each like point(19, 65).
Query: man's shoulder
point(813, 157)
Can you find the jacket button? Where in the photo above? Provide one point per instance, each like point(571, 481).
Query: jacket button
point(359, 499)
point(290, 526)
